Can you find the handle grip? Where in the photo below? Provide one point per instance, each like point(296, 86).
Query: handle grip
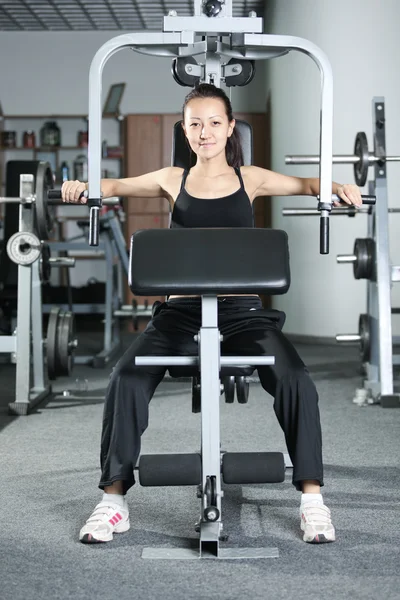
point(368, 199)
point(94, 226)
point(324, 235)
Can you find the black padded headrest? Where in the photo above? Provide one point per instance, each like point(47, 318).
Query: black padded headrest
point(209, 261)
point(183, 157)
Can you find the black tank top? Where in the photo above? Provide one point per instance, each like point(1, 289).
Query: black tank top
point(234, 210)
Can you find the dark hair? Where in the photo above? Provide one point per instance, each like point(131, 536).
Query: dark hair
point(233, 150)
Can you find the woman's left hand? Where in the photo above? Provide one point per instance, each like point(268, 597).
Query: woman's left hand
point(348, 193)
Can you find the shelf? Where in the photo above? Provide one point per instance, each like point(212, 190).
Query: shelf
point(44, 148)
point(50, 117)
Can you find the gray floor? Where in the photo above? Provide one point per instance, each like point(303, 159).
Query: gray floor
point(49, 465)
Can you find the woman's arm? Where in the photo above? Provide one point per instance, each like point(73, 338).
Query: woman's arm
point(269, 183)
point(150, 185)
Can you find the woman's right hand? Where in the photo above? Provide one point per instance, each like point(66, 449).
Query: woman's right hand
point(72, 191)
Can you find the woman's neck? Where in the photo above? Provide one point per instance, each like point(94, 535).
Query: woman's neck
point(210, 168)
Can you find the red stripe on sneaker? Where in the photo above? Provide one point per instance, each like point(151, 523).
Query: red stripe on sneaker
point(119, 517)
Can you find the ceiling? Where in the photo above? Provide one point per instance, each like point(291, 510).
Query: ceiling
point(101, 15)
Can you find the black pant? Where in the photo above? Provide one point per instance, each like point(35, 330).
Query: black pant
point(248, 329)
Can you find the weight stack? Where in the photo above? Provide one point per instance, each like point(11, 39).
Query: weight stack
point(253, 467)
point(169, 469)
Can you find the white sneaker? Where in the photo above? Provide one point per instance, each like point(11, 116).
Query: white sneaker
point(106, 519)
point(316, 523)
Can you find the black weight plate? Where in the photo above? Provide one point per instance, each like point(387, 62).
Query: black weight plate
point(242, 389)
point(361, 167)
point(51, 343)
point(364, 250)
point(179, 71)
point(45, 214)
point(66, 332)
point(364, 331)
point(229, 389)
point(245, 76)
point(45, 266)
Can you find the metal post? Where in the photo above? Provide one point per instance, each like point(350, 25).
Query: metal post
point(37, 330)
point(380, 369)
point(209, 346)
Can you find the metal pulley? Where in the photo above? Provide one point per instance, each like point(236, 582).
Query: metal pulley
point(196, 394)
point(239, 72)
point(23, 248)
point(186, 71)
point(61, 343)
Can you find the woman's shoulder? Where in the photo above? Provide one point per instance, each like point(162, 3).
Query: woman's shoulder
point(170, 173)
point(252, 172)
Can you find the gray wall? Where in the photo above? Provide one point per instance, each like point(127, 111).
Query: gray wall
point(360, 39)
point(45, 72)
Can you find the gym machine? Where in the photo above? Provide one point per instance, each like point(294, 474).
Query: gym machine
point(212, 47)
point(371, 261)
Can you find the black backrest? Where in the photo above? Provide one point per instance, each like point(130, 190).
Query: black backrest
point(183, 157)
point(209, 261)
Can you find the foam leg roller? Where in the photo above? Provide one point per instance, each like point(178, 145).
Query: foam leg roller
point(253, 467)
point(170, 469)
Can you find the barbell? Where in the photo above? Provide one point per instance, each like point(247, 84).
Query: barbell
point(362, 159)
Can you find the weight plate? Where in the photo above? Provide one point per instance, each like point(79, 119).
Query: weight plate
point(361, 167)
point(364, 331)
point(23, 248)
point(242, 389)
point(45, 214)
point(45, 266)
point(180, 74)
point(65, 343)
point(229, 389)
point(51, 345)
point(364, 250)
point(244, 77)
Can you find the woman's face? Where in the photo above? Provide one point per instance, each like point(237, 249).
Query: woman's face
point(207, 127)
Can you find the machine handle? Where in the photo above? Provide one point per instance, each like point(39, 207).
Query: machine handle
point(369, 200)
point(94, 225)
point(54, 197)
point(324, 234)
point(366, 199)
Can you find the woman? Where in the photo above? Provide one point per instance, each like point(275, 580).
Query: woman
point(216, 192)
